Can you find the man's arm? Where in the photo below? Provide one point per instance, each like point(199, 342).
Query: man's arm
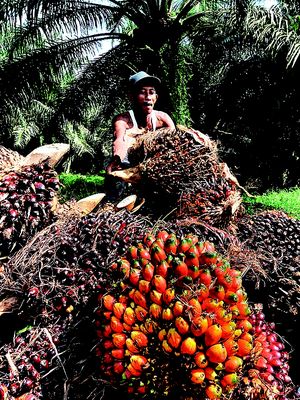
point(165, 120)
point(119, 145)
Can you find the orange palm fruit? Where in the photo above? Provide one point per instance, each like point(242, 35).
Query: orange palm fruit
point(139, 299)
point(230, 297)
point(167, 348)
point(156, 297)
point(162, 334)
point(212, 335)
point(139, 338)
point(144, 286)
point(116, 325)
point(180, 267)
point(193, 272)
point(246, 336)
point(216, 353)
point(231, 346)
point(244, 324)
point(213, 391)
point(241, 295)
point(195, 307)
point(178, 308)
point(143, 253)
point(210, 373)
point(133, 371)
point(244, 347)
point(244, 309)
point(228, 329)
point(140, 313)
point(199, 325)
point(233, 363)
point(118, 309)
point(162, 268)
point(192, 259)
point(107, 331)
point(148, 271)
point(159, 283)
point(210, 305)
point(148, 239)
point(118, 367)
point(169, 295)
point(197, 376)
point(133, 252)
point(131, 346)
point(184, 245)
point(217, 292)
point(202, 292)
point(173, 338)
point(119, 340)
point(208, 257)
point(208, 246)
point(171, 245)
point(193, 249)
point(162, 235)
point(139, 362)
point(134, 276)
point(188, 346)
point(205, 276)
point(222, 316)
point(129, 316)
point(200, 359)
point(229, 380)
point(108, 301)
point(182, 325)
point(157, 253)
point(118, 353)
point(167, 314)
point(155, 310)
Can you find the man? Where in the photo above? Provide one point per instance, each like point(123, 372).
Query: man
point(142, 118)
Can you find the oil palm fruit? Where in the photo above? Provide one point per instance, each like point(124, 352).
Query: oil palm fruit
point(179, 325)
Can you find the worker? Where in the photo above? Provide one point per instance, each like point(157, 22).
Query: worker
point(142, 118)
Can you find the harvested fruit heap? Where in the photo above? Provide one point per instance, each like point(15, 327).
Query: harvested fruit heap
point(9, 158)
point(26, 204)
point(182, 167)
point(176, 321)
point(277, 238)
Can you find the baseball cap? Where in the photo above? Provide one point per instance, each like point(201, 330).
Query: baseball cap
point(141, 77)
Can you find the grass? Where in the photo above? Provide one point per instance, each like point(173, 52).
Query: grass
point(284, 200)
point(76, 186)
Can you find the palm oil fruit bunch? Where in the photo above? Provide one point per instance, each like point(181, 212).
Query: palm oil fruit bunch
point(26, 204)
point(268, 375)
point(27, 360)
point(176, 319)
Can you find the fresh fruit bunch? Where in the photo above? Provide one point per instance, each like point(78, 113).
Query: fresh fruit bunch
point(267, 375)
point(176, 319)
point(8, 158)
point(26, 204)
point(26, 362)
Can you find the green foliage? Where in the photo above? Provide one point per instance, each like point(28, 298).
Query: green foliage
point(284, 200)
point(77, 186)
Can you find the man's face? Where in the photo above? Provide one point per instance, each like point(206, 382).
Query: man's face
point(145, 98)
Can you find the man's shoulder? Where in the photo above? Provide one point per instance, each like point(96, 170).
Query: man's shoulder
point(125, 117)
point(163, 119)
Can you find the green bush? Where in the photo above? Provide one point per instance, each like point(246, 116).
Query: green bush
point(76, 186)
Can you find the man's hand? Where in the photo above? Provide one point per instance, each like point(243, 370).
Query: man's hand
point(114, 165)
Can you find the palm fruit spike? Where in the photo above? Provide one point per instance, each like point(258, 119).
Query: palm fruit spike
point(178, 337)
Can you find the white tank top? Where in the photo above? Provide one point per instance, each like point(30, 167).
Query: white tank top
point(135, 125)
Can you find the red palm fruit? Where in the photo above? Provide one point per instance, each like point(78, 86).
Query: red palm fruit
point(167, 348)
point(139, 362)
point(192, 259)
point(193, 238)
point(139, 299)
point(188, 346)
point(246, 336)
point(213, 391)
point(202, 292)
point(244, 347)
point(180, 267)
point(144, 286)
point(133, 371)
point(159, 283)
point(162, 235)
point(119, 340)
point(205, 276)
point(217, 292)
point(162, 268)
point(231, 346)
point(228, 329)
point(216, 353)
point(143, 253)
point(168, 296)
point(195, 307)
point(108, 344)
point(230, 297)
point(182, 325)
point(236, 283)
point(220, 271)
point(193, 250)
point(197, 376)
point(156, 297)
point(139, 338)
point(123, 299)
point(173, 338)
point(118, 353)
point(178, 308)
point(148, 239)
point(229, 380)
point(106, 331)
point(167, 314)
point(162, 334)
point(199, 325)
point(118, 367)
point(133, 252)
point(142, 389)
point(261, 363)
point(116, 325)
point(200, 359)
point(155, 310)
point(233, 363)
point(118, 310)
point(244, 309)
point(107, 314)
point(193, 272)
point(140, 313)
point(134, 276)
point(208, 258)
point(171, 245)
point(184, 245)
point(245, 325)
point(108, 301)
point(148, 271)
point(107, 358)
point(212, 335)
point(210, 373)
point(157, 253)
point(210, 305)
point(129, 316)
